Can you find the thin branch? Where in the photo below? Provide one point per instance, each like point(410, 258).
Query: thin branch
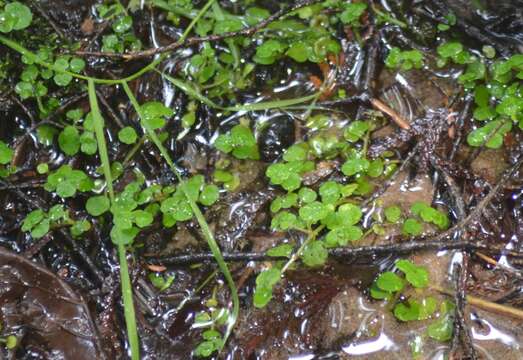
point(474, 214)
point(344, 253)
point(249, 31)
point(400, 121)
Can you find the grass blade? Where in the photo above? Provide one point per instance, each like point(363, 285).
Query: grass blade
point(206, 231)
point(265, 105)
point(127, 294)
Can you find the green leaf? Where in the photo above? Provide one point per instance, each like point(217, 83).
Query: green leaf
point(379, 294)
point(6, 153)
point(284, 202)
point(352, 13)
point(405, 60)
point(330, 192)
point(510, 106)
point(11, 342)
point(42, 168)
point(313, 212)
point(354, 166)
point(29, 74)
point(40, 229)
point(412, 227)
point(57, 212)
point(127, 135)
point(479, 136)
point(160, 282)
point(209, 195)
point(299, 51)
point(76, 65)
point(262, 296)
point(45, 134)
point(69, 140)
point(268, 278)
point(268, 52)
point(32, 219)
point(122, 24)
point(390, 282)
point(88, 143)
point(7, 22)
point(240, 141)
point(284, 221)
point(120, 236)
point(142, 218)
point(418, 276)
point(481, 96)
point(62, 79)
point(297, 152)
point(307, 195)
point(408, 311)
point(24, 89)
point(205, 349)
point(255, 14)
point(79, 227)
point(350, 214)
point(97, 205)
point(227, 25)
point(427, 308)
point(356, 130)
point(153, 114)
point(315, 254)
point(441, 329)
point(283, 250)
point(475, 71)
point(21, 13)
point(376, 168)
point(393, 214)
point(341, 236)
point(450, 49)
point(286, 175)
point(264, 284)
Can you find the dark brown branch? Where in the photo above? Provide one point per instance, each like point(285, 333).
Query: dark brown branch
point(342, 253)
point(478, 210)
point(462, 334)
point(249, 31)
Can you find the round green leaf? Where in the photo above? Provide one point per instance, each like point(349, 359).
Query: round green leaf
point(389, 281)
point(127, 135)
point(97, 205)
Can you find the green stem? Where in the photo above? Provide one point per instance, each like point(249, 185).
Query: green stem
point(133, 151)
point(127, 294)
point(32, 56)
point(206, 231)
point(128, 305)
point(195, 20)
point(98, 124)
point(265, 105)
point(297, 254)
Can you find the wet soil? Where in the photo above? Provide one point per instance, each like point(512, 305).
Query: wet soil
point(60, 296)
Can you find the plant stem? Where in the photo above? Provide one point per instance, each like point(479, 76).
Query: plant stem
point(485, 304)
point(127, 294)
point(128, 305)
point(297, 254)
point(195, 20)
point(98, 124)
point(32, 56)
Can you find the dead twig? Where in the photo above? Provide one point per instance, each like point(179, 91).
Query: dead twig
point(342, 253)
point(249, 31)
point(379, 105)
